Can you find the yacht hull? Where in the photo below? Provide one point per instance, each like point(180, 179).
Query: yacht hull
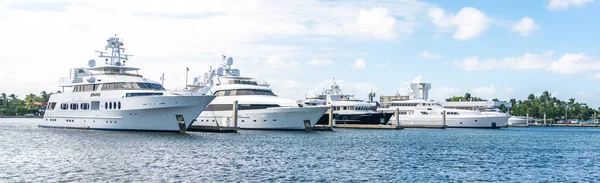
point(277, 118)
point(153, 113)
point(363, 119)
point(456, 122)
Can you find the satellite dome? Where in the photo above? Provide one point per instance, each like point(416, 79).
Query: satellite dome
point(229, 61)
point(92, 63)
point(195, 79)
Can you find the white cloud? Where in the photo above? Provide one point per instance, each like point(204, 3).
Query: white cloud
point(527, 61)
point(525, 26)
point(484, 91)
point(320, 62)
point(359, 63)
point(558, 5)
point(596, 76)
point(572, 63)
point(431, 56)
point(375, 23)
point(468, 23)
point(444, 92)
point(417, 79)
point(167, 36)
point(276, 62)
point(289, 83)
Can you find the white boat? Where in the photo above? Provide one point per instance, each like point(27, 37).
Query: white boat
point(517, 121)
point(115, 97)
point(422, 112)
point(346, 109)
point(259, 108)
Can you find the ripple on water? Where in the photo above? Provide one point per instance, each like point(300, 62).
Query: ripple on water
point(530, 154)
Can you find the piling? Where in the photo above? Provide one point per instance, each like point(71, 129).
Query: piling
point(234, 116)
point(397, 118)
point(527, 120)
point(444, 118)
point(544, 119)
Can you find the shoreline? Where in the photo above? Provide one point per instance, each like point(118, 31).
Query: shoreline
point(21, 117)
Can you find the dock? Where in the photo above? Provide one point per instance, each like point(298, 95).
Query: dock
point(441, 126)
point(216, 129)
point(360, 126)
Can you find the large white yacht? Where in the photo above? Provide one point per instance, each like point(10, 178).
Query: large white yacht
point(422, 112)
point(115, 97)
point(346, 109)
point(259, 108)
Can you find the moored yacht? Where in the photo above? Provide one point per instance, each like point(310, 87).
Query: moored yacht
point(418, 111)
point(346, 109)
point(259, 108)
point(422, 112)
point(115, 97)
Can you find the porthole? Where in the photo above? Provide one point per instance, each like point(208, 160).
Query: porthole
point(119, 106)
point(254, 120)
point(110, 106)
point(274, 119)
point(105, 105)
point(115, 105)
point(265, 120)
point(242, 120)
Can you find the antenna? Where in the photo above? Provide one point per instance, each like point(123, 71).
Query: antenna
point(115, 58)
point(162, 79)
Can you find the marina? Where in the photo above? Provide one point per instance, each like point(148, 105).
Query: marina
point(299, 91)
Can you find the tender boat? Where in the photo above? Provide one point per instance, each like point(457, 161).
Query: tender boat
point(115, 97)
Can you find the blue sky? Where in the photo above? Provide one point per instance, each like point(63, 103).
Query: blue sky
point(504, 50)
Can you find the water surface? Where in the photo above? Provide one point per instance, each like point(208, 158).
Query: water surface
point(533, 154)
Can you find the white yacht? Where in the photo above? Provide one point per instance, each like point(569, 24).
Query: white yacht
point(422, 112)
point(347, 110)
point(115, 97)
point(259, 108)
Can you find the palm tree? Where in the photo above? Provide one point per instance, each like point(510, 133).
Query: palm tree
point(3, 99)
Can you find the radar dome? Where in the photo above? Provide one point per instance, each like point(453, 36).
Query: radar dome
point(195, 79)
point(229, 61)
point(220, 71)
point(92, 63)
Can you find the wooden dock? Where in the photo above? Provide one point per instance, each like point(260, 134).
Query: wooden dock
point(356, 126)
point(216, 129)
point(424, 126)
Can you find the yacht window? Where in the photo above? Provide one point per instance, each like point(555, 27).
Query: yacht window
point(110, 105)
point(424, 113)
point(119, 106)
point(64, 106)
point(85, 106)
point(105, 105)
point(228, 93)
point(344, 108)
point(131, 86)
point(141, 94)
point(51, 105)
point(74, 106)
point(115, 105)
point(253, 92)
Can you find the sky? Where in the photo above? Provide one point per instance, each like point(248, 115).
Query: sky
point(491, 49)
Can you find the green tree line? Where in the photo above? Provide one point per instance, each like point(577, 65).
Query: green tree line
point(537, 106)
point(12, 105)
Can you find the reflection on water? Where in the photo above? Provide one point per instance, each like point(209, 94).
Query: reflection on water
point(35, 154)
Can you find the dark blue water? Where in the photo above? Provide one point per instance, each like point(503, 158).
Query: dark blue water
point(534, 154)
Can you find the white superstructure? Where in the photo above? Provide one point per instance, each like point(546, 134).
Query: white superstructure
point(259, 107)
point(346, 109)
point(422, 112)
point(115, 97)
